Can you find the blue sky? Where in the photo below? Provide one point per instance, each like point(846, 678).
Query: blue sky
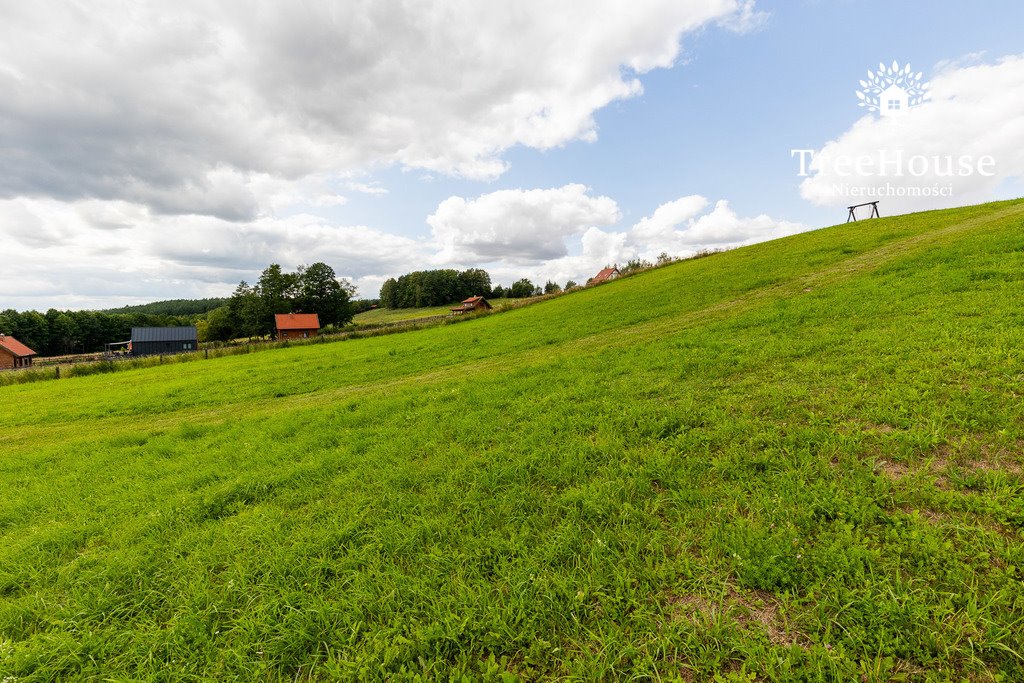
point(200, 145)
point(721, 123)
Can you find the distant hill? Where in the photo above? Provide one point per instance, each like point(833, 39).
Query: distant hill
point(173, 307)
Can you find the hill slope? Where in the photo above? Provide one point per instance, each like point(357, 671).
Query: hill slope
point(800, 459)
point(396, 315)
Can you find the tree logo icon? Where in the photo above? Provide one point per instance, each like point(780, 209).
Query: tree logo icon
point(892, 90)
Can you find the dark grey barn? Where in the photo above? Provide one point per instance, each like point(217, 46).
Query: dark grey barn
point(149, 341)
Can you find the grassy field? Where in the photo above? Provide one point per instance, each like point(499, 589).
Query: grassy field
point(397, 315)
point(799, 460)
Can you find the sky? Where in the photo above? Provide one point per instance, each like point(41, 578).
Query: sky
point(154, 151)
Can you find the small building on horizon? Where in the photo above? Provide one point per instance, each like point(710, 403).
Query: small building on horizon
point(606, 275)
point(473, 303)
point(152, 341)
point(14, 354)
point(296, 325)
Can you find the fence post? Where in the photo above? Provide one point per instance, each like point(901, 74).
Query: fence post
point(206, 353)
point(161, 359)
point(58, 373)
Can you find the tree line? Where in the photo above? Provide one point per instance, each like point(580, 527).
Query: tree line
point(57, 333)
point(182, 307)
point(310, 289)
point(434, 288)
point(249, 312)
point(425, 288)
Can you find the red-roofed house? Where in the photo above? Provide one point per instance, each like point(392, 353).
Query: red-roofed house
point(14, 354)
point(296, 325)
point(473, 303)
point(604, 276)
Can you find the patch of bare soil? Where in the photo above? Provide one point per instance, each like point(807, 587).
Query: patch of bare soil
point(979, 453)
point(930, 516)
point(746, 608)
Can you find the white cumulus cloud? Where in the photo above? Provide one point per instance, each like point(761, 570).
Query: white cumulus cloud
point(517, 225)
point(177, 105)
point(165, 150)
point(98, 254)
point(680, 228)
point(569, 242)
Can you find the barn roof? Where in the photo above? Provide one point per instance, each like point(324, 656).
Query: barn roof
point(297, 321)
point(141, 335)
point(15, 346)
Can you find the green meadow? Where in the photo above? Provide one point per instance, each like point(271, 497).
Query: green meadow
point(387, 315)
point(799, 460)
point(396, 315)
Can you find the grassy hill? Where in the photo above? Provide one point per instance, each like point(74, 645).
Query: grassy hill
point(795, 461)
point(395, 315)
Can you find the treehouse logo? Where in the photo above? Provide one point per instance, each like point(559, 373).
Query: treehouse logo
point(858, 171)
point(892, 90)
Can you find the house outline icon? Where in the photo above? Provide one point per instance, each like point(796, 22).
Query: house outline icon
point(893, 100)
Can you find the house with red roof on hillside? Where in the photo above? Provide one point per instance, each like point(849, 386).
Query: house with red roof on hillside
point(296, 325)
point(473, 303)
point(14, 354)
point(606, 275)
